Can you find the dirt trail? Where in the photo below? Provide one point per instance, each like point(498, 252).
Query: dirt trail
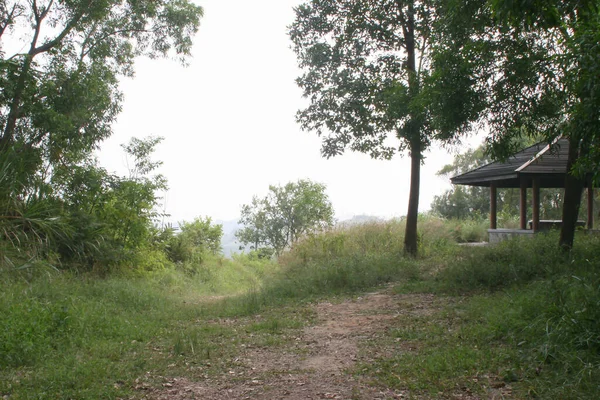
point(316, 365)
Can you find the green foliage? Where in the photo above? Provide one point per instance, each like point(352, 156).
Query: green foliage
point(366, 72)
point(202, 234)
point(507, 263)
point(552, 299)
point(342, 260)
point(197, 241)
point(529, 65)
point(30, 220)
point(86, 219)
point(60, 96)
point(113, 216)
point(78, 336)
point(521, 316)
point(132, 206)
point(461, 202)
point(285, 215)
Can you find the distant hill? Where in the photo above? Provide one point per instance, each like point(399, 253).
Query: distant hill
point(358, 220)
point(229, 242)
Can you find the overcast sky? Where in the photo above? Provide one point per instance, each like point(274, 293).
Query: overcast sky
point(228, 120)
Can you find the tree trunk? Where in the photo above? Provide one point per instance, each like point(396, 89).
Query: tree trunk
point(15, 106)
point(410, 233)
point(414, 133)
point(573, 191)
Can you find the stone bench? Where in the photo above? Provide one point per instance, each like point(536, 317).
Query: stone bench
point(547, 224)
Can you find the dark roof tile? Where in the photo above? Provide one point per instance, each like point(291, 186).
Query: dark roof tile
point(548, 163)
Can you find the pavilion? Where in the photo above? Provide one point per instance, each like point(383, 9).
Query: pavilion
point(539, 166)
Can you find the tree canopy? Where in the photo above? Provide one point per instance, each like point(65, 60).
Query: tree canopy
point(366, 73)
point(60, 93)
point(535, 70)
point(60, 63)
point(284, 215)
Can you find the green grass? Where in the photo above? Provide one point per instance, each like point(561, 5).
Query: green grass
point(64, 336)
point(522, 315)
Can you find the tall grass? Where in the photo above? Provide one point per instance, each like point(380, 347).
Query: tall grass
point(342, 260)
point(531, 296)
point(535, 307)
point(82, 336)
point(350, 259)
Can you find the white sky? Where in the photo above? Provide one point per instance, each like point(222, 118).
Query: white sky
point(228, 120)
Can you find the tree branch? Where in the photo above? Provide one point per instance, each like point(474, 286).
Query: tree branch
point(107, 35)
point(7, 19)
point(67, 29)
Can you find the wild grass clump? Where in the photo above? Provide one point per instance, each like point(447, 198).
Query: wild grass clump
point(469, 230)
point(344, 260)
point(545, 303)
point(240, 274)
point(434, 230)
point(510, 262)
point(350, 259)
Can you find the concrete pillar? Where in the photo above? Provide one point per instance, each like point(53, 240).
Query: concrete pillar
point(523, 204)
point(536, 205)
point(493, 206)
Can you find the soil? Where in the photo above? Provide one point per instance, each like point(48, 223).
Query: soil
point(319, 362)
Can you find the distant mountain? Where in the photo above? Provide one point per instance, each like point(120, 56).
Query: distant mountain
point(229, 242)
point(359, 220)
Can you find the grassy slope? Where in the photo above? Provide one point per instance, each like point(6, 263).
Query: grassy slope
point(520, 314)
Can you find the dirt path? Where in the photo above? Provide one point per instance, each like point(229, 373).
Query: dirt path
point(316, 365)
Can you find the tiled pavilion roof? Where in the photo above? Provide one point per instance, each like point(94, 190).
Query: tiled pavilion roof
point(546, 162)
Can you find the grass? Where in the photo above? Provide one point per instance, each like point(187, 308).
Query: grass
point(504, 341)
point(65, 336)
point(521, 316)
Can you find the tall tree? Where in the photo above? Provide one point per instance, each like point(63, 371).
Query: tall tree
point(535, 66)
point(286, 214)
point(366, 73)
point(60, 94)
point(59, 67)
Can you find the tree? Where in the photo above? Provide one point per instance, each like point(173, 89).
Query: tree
point(61, 95)
point(131, 208)
point(196, 239)
point(366, 74)
point(58, 100)
point(536, 70)
point(286, 214)
point(112, 217)
point(254, 219)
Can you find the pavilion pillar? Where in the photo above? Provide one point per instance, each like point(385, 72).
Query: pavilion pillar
point(523, 204)
point(493, 206)
point(590, 206)
point(536, 205)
